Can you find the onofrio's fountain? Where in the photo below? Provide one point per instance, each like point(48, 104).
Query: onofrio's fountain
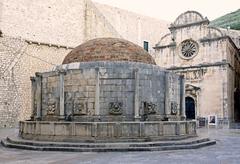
point(107, 95)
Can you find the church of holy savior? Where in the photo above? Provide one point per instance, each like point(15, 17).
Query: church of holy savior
point(208, 57)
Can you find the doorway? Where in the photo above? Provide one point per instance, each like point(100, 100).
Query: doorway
point(237, 105)
point(190, 108)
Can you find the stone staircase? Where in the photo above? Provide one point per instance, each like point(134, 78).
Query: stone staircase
point(190, 143)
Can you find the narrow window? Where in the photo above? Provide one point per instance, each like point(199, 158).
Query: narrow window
point(145, 45)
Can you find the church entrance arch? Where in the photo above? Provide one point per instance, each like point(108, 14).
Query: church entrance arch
point(190, 107)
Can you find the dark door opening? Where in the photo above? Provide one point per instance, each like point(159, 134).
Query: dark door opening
point(190, 108)
point(237, 105)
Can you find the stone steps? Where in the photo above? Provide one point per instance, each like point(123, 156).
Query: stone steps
point(107, 147)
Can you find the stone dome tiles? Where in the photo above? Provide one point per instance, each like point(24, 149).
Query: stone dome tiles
point(108, 49)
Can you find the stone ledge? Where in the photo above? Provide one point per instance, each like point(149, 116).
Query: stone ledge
point(106, 131)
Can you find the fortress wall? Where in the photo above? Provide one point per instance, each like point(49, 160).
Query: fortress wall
point(19, 61)
point(134, 27)
point(49, 24)
point(50, 21)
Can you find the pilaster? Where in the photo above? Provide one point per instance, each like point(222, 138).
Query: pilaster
point(61, 94)
point(97, 93)
point(39, 95)
point(33, 92)
point(136, 96)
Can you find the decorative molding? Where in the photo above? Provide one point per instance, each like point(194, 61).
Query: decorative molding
point(217, 64)
point(193, 74)
point(173, 44)
point(174, 27)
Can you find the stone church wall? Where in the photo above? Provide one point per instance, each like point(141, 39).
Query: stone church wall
point(211, 74)
point(233, 79)
point(213, 93)
point(209, 52)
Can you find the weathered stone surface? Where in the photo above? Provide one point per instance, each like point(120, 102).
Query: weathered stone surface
point(114, 87)
point(211, 70)
point(28, 46)
point(106, 131)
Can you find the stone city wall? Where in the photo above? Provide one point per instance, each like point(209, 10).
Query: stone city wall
point(50, 27)
point(134, 27)
point(49, 21)
point(71, 22)
point(19, 61)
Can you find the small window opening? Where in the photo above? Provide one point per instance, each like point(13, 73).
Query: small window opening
point(145, 45)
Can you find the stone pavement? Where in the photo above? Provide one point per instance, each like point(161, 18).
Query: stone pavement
point(226, 151)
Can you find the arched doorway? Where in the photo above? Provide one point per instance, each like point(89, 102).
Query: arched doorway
point(190, 108)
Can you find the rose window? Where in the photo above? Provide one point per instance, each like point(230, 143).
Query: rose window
point(189, 48)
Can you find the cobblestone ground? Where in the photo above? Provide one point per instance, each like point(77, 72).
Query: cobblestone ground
point(226, 151)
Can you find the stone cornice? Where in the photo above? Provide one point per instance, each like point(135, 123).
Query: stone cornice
point(174, 27)
point(173, 44)
point(217, 64)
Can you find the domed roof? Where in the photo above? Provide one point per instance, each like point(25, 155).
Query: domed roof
point(108, 49)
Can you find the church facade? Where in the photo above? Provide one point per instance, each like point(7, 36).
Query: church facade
point(208, 58)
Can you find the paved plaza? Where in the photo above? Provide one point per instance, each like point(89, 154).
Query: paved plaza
point(226, 151)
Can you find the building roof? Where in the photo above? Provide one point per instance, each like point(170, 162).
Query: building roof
point(231, 20)
point(108, 49)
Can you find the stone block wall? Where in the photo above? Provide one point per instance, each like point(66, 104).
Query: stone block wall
point(134, 27)
point(109, 91)
point(106, 131)
point(71, 22)
point(48, 21)
point(20, 60)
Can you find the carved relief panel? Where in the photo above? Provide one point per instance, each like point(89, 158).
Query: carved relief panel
point(149, 108)
point(193, 74)
point(115, 108)
point(79, 107)
point(174, 108)
point(51, 107)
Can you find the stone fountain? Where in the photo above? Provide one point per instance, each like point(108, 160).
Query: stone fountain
point(107, 91)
